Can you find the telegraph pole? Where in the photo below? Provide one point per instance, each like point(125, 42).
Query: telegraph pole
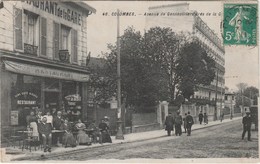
point(119, 134)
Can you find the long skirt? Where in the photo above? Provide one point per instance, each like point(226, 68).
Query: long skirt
point(106, 137)
point(68, 139)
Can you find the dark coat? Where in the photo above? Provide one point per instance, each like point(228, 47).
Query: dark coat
point(57, 122)
point(169, 121)
point(247, 121)
point(189, 120)
point(44, 128)
point(201, 116)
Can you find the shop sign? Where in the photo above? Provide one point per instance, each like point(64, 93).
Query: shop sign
point(26, 98)
point(56, 9)
point(74, 100)
point(14, 117)
point(75, 97)
point(44, 72)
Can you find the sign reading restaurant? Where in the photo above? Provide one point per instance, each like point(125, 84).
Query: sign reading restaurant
point(59, 11)
point(44, 72)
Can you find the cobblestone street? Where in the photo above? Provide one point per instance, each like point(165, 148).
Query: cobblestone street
point(222, 141)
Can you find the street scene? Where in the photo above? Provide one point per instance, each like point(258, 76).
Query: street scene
point(97, 81)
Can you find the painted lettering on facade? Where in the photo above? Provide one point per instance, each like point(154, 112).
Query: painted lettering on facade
point(54, 9)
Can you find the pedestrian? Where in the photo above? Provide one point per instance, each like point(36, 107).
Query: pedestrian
point(222, 117)
point(44, 129)
point(169, 124)
point(205, 118)
point(185, 123)
point(190, 122)
point(178, 123)
point(247, 121)
point(200, 117)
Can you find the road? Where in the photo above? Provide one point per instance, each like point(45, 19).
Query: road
point(222, 141)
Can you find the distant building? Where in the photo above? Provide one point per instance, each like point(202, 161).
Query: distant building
point(230, 102)
point(43, 50)
point(192, 23)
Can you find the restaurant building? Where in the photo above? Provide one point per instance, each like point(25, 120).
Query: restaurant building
point(43, 51)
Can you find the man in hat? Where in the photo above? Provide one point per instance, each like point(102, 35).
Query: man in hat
point(190, 122)
point(178, 123)
point(247, 121)
point(169, 121)
point(200, 117)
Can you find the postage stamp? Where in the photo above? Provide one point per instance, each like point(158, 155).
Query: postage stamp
point(240, 24)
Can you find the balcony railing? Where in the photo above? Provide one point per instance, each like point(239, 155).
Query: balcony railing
point(30, 49)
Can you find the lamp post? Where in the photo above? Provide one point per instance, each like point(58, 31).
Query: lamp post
point(216, 97)
point(119, 134)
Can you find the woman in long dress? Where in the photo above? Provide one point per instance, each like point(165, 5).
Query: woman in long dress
point(82, 137)
point(105, 137)
point(68, 138)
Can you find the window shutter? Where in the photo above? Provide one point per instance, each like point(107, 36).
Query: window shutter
point(18, 28)
point(74, 45)
point(43, 36)
point(56, 35)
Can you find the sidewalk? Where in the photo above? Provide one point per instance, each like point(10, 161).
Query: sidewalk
point(16, 154)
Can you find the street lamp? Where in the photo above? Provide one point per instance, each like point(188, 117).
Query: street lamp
point(119, 134)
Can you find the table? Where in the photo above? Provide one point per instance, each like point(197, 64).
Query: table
point(57, 131)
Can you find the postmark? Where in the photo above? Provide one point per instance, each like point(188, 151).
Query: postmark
point(240, 24)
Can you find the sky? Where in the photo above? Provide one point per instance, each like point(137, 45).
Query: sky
point(241, 62)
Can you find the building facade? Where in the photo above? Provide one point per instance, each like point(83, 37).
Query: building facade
point(181, 19)
point(43, 50)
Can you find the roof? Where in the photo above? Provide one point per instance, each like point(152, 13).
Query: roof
point(82, 5)
point(86, 6)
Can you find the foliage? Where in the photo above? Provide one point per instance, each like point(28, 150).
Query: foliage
point(195, 67)
point(154, 65)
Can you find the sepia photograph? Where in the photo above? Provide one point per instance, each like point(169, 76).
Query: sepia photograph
point(129, 81)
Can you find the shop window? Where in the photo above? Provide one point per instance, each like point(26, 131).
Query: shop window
point(72, 98)
point(25, 97)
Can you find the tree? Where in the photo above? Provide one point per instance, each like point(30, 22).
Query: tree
point(154, 65)
point(195, 67)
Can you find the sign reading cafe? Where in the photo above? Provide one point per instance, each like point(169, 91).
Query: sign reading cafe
point(59, 11)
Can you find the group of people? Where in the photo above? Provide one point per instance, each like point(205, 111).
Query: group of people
point(177, 121)
point(56, 126)
point(203, 117)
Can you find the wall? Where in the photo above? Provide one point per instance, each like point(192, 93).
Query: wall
point(7, 34)
point(144, 118)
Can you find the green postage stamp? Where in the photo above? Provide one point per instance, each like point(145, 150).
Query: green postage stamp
point(240, 24)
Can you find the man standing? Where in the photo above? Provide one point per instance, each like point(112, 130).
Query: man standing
point(57, 122)
point(200, 117)
point(44, 129)
point(178, 123)
point(169, 124)
point(185, 123)
point(247, 121)
point(190, 122)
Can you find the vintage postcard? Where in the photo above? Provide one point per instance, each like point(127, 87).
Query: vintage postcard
point(129, 81)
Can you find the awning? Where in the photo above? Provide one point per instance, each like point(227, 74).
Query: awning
point(44, 72)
